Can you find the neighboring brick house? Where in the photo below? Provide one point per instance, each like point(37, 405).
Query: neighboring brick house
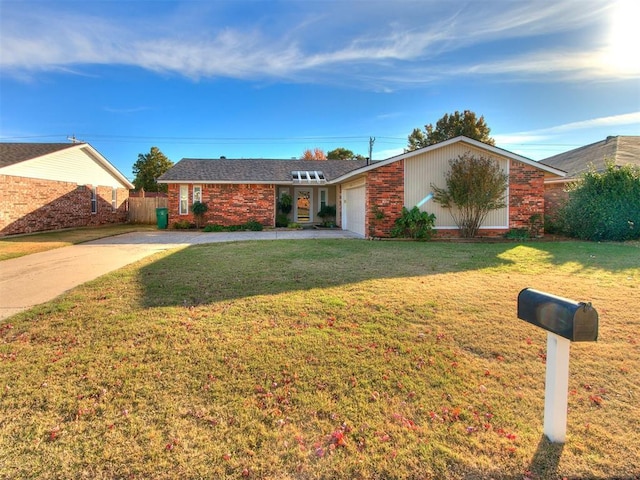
point(49, 186)
point(620, 150)
point(368, 197)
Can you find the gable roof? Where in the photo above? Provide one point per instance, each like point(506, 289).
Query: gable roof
point(621, 150)
point(191, 170)
point(460, 139)
point(15, 153)
point(11, 153)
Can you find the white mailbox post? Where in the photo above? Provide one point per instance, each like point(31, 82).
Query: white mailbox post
point(566, 321)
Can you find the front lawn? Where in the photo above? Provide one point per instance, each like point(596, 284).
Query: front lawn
point(323, 359)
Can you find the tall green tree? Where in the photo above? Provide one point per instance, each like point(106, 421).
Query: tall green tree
point(148, 168)
point(341, 153)
point(450, 126)
point(474, 187)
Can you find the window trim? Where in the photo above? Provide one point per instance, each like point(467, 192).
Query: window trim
point(94, 200)
point(114, 199)
point(197, 188)
point(183, 198)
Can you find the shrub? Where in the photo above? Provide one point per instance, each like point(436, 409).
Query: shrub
point(604, 206)
point(282, 220)
point(285, 203)
point(199, 209)
point(182, 225)
point(414, 224)
point(328, 213)
point(253, 225)
point(517, 234)
point(214, 228)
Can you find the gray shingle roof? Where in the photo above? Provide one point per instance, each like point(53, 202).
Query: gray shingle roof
point(253, 170)
point(11, 153)
point(621, 150)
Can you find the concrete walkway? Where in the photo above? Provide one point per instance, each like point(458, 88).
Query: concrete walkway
point(34, 279)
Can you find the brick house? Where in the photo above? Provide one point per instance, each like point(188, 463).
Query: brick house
point(368, 197)
point(49, 186)
point(621, 150)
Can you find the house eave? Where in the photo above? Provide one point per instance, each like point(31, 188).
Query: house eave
point(460, 139)
point(228, 182)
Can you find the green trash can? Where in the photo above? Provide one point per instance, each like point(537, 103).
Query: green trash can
point(162, 216)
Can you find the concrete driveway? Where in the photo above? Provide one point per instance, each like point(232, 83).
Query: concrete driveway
point(33, 279)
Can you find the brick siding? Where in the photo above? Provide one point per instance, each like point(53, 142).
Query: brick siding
point(32, 205)
point(228, 204)
point(526, 195)
point(385, 198)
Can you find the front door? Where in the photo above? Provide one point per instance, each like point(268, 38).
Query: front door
point(303, 205)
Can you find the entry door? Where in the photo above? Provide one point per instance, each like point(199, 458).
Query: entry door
point(303, 205)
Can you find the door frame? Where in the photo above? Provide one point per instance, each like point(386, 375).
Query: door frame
point(296, 190)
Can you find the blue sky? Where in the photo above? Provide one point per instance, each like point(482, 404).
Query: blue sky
point(271, 78)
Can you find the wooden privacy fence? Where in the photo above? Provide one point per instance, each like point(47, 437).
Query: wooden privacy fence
point(143, 210)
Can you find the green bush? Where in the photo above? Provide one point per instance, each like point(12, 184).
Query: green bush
point(182, 225)
point(214, 228)
point(604, 206)
point(282, 220)
point(517, 234)
point(199, 209)
point(414, 224)
point(253, 225)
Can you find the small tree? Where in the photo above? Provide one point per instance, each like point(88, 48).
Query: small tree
point(474, 187)
point(604, 206)
point(199, 209)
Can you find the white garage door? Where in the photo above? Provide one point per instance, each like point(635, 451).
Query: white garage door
point(353, 210)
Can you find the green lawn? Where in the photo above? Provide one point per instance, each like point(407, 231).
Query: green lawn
point(323, 359)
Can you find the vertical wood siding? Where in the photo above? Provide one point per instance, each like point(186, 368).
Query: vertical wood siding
point(430, 168)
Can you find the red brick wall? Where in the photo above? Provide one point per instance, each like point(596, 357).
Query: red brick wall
point(384, 197)
point(228, 204)
point(526, 194)
point(32, 205)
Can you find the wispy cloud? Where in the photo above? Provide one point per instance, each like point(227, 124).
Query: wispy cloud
point(426, 44)
point(534, 136)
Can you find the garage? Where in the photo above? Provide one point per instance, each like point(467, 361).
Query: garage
point(353, 210)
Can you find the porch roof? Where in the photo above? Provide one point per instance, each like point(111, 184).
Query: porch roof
point(191, 170)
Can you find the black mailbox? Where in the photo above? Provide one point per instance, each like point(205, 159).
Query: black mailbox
point(577, 321)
